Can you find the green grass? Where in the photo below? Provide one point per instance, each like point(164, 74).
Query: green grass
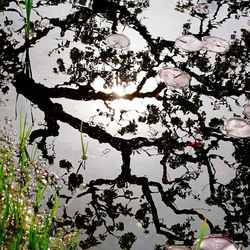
point(202, 234)
point(24, 222)
point(84, 151)
point(28, 8)
point(84, 148)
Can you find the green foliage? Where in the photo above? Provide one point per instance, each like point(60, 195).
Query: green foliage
point(28, 8)
point(55, 207)
point(22, 224)
point(202, 234)
point(84, 148)
point(84, 151)
point(39, 193)
point(24, 134)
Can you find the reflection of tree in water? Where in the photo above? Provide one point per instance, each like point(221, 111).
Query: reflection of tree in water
point(111, 200)
point(222, 80)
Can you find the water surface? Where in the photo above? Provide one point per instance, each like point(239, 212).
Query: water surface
point(158, 158)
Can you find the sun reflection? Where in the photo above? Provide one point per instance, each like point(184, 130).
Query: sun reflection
point(119, 90)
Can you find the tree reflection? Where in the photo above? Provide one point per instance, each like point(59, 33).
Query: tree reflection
point(176, 122)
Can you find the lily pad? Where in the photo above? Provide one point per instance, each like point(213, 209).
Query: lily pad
point(216, 242)
point(177, 248)
point(247, 110)
point(174, 77)
point(215, 44)
point(188, 43)
point(117, 41)
point(201, 8)
point(237, 127)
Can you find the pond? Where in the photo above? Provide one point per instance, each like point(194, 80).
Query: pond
point(141, 108)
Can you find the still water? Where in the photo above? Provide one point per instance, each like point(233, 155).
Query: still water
point(159, 159)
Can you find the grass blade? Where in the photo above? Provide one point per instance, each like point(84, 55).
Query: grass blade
point(55, 207)
point(39, 193)
point(84, 153)
point(28, 7)
point(202, 234)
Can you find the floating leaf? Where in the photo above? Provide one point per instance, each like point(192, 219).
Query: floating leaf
point(217, 242)
point(247, 110)
point(178, 248)
point(174, 77)
point(237, 127)
point(188, 43)
point(117, 41)
point(201, 8)
point(215, 44)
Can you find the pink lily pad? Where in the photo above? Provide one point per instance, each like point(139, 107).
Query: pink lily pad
point(117, 41)
point(247, 110)
point(188, 43)
point(215, 44)
point(201, 8)
point(177, 248)
point(217, 242)
point(174, 77)
point(237, 127)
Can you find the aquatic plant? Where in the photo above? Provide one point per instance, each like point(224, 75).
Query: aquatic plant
point(24, 134)
point(215, 44)
point(188, 43)
point(246, 109)
point(237, 127)
point(22, 223)
point(202, 234)
point(117, 41)
point(217, 242)
point(201, 8)
point(178, 248)
point(84, 149)
point(28, 8)
point(174, 77)
point(174, 119)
